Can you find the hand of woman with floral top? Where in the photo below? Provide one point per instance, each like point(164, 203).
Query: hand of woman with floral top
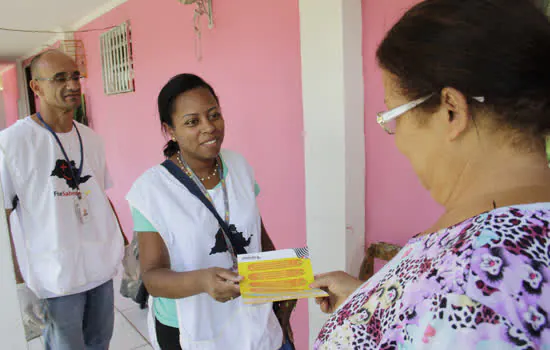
point(221, 284)
point(339, 285)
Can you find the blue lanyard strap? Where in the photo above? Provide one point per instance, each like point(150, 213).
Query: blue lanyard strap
point(79, 170)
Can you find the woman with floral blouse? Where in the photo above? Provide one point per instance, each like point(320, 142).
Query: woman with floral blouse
point(467, 87)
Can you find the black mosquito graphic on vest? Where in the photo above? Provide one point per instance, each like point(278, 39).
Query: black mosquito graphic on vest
point(237, 240)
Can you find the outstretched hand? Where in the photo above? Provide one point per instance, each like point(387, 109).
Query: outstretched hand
point(339, 285)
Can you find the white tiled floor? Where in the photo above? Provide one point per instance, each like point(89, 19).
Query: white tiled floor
point(35, 344)
point(130, 326)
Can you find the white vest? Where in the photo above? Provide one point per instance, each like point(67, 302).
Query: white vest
point(57, 254)
point(188, 229)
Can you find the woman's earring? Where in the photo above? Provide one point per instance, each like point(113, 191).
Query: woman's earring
point(173, 139)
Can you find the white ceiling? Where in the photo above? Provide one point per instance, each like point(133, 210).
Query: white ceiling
point(53, 15)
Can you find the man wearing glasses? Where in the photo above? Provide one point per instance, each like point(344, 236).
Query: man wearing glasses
point(68, 243)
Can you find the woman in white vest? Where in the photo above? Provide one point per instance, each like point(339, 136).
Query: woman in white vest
point(187, 261)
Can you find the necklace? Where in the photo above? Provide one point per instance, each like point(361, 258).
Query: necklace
point(206, 178)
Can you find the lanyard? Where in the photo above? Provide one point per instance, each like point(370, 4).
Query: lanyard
point(204, 191)
point(76, 177)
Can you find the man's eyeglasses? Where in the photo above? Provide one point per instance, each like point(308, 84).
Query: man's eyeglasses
point(63, 77)
point(387, 120)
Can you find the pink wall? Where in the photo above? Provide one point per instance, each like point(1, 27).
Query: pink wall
point(252, 58)
point(11, 95)
point(397, 206)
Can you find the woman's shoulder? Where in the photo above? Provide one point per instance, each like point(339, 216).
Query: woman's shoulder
point(230, 156)
point(508, 268)
point(520, 231)
point(511, 249)
point(236, 162)
point(493, 251)
point(486, 275)
point(149, 178)
point(151, 173)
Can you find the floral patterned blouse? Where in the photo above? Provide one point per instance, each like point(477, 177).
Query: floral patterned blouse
point(481, 284)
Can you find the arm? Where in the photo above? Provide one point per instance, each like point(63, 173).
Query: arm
point(161, 281)
point(17, 270)
point(126, 242)
point(10, 202)
point(108, 183)
point(267, 243)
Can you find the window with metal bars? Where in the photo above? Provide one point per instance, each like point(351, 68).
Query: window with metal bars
point(116, 60)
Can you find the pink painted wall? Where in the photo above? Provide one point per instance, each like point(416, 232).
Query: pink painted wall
point(11, 95)
point(252, 58)
point(397, 206)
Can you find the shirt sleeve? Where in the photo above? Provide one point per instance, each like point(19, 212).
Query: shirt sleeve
point(141, 224)
point(7, 184)
point(256, 189)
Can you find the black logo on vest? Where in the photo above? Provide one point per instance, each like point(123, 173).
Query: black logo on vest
point(62, 171)
point(236, 238)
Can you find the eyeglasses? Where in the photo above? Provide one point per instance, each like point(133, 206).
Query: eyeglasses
point(63, 77)
point(387, 120)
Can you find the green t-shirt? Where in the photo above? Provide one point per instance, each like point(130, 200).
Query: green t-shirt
point(165, 309)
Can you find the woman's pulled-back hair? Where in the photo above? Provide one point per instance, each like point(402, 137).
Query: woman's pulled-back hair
point(498, 49)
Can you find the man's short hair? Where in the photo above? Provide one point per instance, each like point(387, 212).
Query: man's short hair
point(36, 60)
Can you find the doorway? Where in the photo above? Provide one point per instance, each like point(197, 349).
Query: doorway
point(32, 102)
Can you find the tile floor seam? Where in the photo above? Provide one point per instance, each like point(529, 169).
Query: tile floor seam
point(136, 329)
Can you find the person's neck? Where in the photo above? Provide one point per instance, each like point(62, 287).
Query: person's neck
point(59, 121)
point(496, 182)
point(201, 167)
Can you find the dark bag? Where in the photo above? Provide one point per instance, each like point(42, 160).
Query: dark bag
point(196, 191)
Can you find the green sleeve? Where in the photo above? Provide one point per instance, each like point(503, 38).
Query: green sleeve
point(256, 189)
point(141, 224)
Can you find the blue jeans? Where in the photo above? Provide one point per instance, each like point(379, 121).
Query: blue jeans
point(287, 346)
point(82, 321)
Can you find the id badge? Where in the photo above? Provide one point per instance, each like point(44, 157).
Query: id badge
point(82, 209)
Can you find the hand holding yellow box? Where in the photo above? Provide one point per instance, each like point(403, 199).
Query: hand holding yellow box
point(277, 275)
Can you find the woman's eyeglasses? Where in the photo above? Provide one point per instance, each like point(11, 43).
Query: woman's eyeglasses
point(387, 120)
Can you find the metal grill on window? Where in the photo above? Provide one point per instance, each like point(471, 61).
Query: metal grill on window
point(116, 60)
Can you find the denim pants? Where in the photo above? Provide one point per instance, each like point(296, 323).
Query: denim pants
point(82, 321)
point(287, 346)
